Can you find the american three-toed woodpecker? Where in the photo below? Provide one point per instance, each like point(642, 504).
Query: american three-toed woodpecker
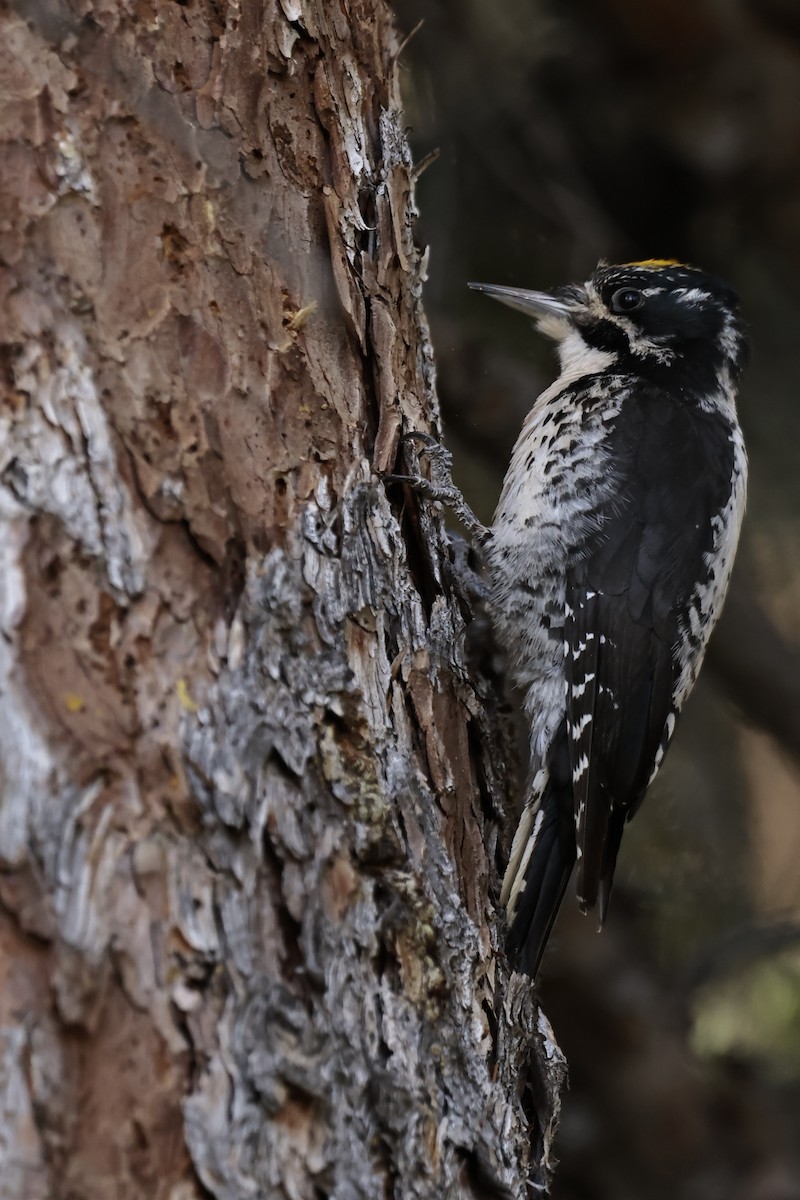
point(609, 557)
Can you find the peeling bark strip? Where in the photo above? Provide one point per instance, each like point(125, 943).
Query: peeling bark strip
point(249, 788)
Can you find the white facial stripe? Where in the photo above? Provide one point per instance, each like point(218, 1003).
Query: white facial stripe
point(646, 347)
point(640, 345)
point(692, 296)
point(729, 340)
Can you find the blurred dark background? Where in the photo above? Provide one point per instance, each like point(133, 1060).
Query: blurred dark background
point(568, 131)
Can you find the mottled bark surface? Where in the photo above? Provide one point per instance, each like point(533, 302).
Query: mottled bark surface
point(251, 792)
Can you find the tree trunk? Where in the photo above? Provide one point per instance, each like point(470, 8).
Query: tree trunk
point(250, 785)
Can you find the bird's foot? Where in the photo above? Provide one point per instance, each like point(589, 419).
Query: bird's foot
point(439, 484)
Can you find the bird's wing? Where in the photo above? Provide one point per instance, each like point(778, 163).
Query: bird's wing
point(627, 594)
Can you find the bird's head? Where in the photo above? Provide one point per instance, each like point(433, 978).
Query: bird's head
point(644, 317)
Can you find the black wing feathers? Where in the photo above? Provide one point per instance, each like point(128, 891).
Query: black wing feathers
point(625, 597)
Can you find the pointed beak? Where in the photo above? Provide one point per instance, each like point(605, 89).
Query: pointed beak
point(538, 305)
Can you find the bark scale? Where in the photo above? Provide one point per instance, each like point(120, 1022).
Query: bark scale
point(251, 788)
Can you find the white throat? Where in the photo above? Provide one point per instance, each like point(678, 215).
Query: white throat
point(577, 358)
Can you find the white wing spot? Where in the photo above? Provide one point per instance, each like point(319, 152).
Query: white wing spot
point(578, 691)
point(580, 766)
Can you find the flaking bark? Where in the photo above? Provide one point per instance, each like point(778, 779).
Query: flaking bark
point(250, 784)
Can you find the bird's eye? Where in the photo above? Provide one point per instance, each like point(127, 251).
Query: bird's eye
point(626, 300)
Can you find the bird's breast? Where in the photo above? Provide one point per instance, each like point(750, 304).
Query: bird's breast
point(558, 476)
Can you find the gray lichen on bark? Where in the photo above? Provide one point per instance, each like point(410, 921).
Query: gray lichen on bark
point(251, 784)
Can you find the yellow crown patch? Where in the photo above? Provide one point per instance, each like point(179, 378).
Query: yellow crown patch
point(658, 262)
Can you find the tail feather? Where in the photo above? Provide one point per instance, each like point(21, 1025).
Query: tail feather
point(616, 825)
point(538, 872)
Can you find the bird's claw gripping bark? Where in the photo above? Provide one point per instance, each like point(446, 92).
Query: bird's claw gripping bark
point(439, 486)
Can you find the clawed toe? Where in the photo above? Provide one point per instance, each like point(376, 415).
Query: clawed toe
point(439, 487)
point(425, 439)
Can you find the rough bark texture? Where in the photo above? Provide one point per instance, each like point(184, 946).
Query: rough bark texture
point(250, 788)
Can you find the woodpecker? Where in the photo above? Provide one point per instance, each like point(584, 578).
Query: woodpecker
point(608, 560)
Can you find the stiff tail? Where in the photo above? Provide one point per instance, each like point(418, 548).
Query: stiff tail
point(538, 872)
point(613, 838)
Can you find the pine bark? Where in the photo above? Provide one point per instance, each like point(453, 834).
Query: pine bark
point(251, 785)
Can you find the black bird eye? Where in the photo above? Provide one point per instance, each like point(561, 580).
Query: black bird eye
point(626, 300)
